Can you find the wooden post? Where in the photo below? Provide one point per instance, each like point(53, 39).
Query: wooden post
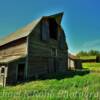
point(4, 75)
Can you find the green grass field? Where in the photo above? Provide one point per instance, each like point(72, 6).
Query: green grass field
point(85, 87)
point(92, 66)
point(62, 87)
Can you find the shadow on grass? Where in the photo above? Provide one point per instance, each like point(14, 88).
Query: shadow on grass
point(58, 76)
point(67, 74)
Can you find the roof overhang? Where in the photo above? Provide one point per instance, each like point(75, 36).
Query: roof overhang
point(6, 60)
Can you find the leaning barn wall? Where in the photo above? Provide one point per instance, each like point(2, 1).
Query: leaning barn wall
point(37, 54)
point(40, 58)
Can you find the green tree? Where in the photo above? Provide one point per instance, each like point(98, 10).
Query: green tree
point(89, 53)
point(82, 53)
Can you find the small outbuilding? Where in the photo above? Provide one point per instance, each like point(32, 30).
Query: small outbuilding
point(98, 59)
point(74, 62)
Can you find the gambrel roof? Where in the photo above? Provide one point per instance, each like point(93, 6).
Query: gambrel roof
point(24, 32)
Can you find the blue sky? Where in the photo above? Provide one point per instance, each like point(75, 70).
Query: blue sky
point(81, 20)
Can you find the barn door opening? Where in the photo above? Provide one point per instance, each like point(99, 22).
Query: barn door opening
point(52, 67)
point(21, 72)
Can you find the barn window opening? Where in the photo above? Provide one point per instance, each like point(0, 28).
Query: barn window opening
point(54, 52)
point(53, 28)
point(2, 70)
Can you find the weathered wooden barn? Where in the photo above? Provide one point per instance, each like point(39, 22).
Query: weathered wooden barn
point(74, 62)
point(37, 49)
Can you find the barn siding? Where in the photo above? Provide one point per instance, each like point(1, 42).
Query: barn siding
point(12, 70)
point(17, 48)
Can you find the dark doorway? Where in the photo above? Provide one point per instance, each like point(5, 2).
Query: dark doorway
point(53, 28)
point(21, 72)
point(52, 67)
point(55, 65)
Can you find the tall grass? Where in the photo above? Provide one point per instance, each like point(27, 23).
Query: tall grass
point(86, 87)
point(92, 66)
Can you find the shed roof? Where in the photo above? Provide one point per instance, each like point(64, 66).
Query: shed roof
point(11, 58)
point(25, 31)
point(73, 57)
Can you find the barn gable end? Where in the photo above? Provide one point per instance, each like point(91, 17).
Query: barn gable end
point(47, 54)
